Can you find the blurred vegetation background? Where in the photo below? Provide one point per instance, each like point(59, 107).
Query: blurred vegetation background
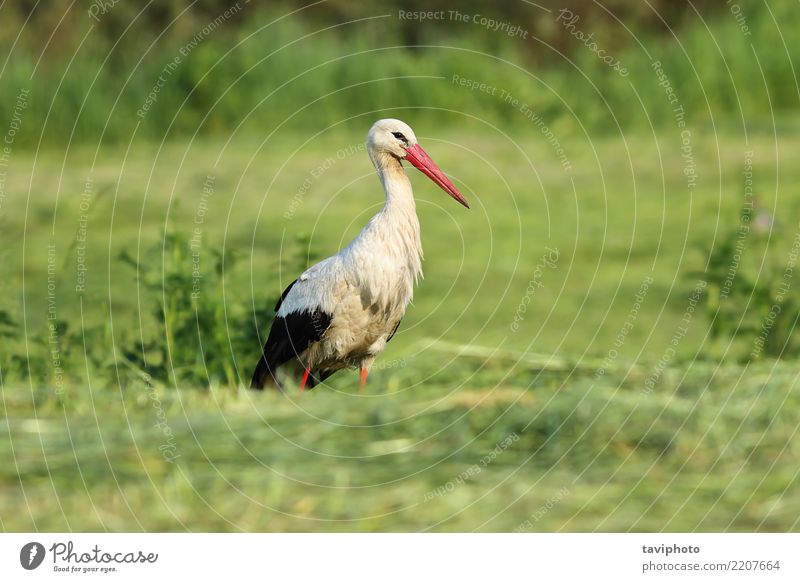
point(168, 167)
point(88, 74)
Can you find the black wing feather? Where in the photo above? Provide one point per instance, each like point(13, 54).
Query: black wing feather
point(289, 337)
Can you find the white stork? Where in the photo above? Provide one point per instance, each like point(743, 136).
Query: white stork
point(341, 312)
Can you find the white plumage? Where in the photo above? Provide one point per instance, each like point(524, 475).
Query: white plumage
point(341, 312)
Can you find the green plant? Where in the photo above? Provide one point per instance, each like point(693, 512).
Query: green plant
point(751, 312)
point(198, 334)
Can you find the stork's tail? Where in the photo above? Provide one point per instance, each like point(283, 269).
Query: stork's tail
point(264, 375)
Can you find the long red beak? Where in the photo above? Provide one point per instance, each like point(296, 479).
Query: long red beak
point(423, 162)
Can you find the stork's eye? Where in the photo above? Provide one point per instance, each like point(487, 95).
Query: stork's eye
point(400, 136)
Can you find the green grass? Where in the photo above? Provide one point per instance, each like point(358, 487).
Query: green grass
point(270, 68)
point(710, 450)
point(123, 400)
point(711, 447)
point(613, 227)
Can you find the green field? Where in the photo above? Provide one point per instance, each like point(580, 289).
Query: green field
point(589, 431)
point(605, 341)
point(713, 449)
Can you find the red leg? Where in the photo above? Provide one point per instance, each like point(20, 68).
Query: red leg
point(305, 379)
point(364, 373)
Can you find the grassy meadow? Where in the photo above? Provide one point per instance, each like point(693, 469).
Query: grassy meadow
point(595, 345)
point(593, 441)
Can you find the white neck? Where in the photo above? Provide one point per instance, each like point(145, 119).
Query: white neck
point(397, 220)
point(394, 180)
point(391, 238)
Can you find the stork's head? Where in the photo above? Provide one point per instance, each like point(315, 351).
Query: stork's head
point(394, 138)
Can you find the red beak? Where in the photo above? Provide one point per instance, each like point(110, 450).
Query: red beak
point(423, 162)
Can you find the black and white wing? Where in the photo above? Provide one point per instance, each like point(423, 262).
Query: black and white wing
point(302, 316)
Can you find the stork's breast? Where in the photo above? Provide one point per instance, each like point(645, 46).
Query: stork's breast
point(362, 321)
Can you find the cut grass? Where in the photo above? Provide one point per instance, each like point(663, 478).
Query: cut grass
point(711, 449)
